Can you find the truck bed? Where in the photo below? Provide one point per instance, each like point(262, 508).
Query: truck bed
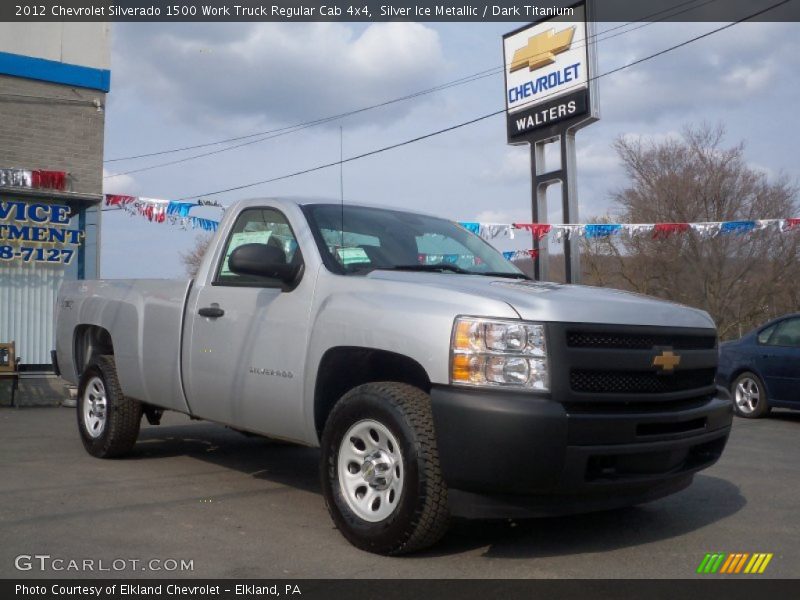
point(148, 314)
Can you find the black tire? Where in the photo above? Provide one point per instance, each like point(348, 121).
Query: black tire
point(421, 516)
point(118, 433)
point(749, 381)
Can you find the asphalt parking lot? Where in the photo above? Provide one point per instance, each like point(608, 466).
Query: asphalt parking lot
point(247, 508)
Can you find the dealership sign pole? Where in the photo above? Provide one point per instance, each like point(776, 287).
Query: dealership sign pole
point(550, 94)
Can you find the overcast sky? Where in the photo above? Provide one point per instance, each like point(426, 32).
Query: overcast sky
point(183, 84)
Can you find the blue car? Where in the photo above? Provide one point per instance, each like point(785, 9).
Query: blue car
point(762, 369)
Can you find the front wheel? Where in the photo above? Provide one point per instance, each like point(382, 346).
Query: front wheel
point(749, 396)
point(108, 421)
point(380, 469)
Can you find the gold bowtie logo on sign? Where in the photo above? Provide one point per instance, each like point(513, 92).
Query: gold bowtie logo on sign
point(667, 360)
point(542, 48)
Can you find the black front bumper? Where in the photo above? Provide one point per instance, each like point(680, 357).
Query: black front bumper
point(512, 454)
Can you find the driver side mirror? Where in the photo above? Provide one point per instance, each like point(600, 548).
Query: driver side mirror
point(262, 260)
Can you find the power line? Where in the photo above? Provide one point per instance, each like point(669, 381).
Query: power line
point(320, 120)
point(460, 81)
point(279, 132)
point(482, 117)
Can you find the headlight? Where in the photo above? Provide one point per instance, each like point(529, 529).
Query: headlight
point(492, 352)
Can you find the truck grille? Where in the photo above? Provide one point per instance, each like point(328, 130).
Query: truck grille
point(638, 382)
point(605, 367)
point(638, 341)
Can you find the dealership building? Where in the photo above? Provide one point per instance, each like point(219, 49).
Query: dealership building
point(54, 78)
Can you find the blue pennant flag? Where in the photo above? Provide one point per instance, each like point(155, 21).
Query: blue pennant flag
point(473, 227)
point(738, 227)
point(508, 255)
point(180, 209)
point(205, 224)
point(601, 230)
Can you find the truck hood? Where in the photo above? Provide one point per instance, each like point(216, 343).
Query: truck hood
point(545, 301)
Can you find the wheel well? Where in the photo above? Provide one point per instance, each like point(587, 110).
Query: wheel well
point(343, 368)
point(90, 341)
point(735, 374)
point(742, 370)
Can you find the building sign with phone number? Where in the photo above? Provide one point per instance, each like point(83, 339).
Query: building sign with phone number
point(37, 233)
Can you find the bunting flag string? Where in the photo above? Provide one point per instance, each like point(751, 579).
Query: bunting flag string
point(592, 231)
point(657, 231)
point(165, 211)
point(179, 213)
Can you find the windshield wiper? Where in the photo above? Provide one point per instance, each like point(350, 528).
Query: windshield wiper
point(432, 268)
point(502, 274)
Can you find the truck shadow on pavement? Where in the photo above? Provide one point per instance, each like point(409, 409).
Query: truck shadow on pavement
point(275, 461)
point(708, 500)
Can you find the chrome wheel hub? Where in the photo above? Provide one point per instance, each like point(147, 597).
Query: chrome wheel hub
point(747, 395)
point(95, 407)
point(371, 471)
point(377, 470)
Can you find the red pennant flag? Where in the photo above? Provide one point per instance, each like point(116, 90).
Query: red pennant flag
point(538, 230)
point(792, 223)
point(662, 231)
point(118, 200)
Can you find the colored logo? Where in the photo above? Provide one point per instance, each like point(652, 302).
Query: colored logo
point(667, 361)
point(734, 564)
point(541, 49)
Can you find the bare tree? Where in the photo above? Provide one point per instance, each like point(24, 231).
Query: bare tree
point(742, 280)
point(191, 260)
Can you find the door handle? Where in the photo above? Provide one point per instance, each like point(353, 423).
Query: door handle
point(213, 312)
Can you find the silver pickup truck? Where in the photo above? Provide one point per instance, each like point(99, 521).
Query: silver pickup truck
point(437, 379)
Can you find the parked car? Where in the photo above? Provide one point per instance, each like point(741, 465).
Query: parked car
point(435, 376)
point(762, 369)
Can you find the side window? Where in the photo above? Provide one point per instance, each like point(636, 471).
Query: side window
point(257, 226)
point(786, 334)
point(763, 337)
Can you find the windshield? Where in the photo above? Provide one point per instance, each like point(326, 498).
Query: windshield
point(376, 238)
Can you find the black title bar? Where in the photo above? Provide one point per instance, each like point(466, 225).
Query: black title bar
point(390, 10)
point(732, 588)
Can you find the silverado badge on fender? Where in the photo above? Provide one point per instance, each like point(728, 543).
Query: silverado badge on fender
point(273, 372)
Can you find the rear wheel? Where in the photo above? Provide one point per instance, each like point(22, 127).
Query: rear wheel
point(108, 421)
point(749, 396)
point(380, 469)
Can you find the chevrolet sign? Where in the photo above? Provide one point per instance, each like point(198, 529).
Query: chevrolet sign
point(547, 73)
